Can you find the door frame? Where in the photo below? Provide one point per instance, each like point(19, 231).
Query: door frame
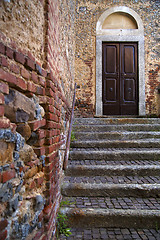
point(120, 35)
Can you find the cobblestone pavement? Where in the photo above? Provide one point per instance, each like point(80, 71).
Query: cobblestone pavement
point(114, 179)
point(113, 233)
point(114, 203)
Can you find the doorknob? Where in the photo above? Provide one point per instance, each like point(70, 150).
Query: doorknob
point(129, 90)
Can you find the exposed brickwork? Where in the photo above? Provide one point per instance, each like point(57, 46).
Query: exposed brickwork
point(36, 71)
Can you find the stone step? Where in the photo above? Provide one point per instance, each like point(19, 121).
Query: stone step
point(115, 120)
point(113, 163)
point(86, 233)
point(115, 154)
point(128, 179)
point(147, 143)
point(121, 135)
point(113, 203)
point(111, 189)
point(113, 175)
point(112, 217)
point(111, 170)
point(114, 127)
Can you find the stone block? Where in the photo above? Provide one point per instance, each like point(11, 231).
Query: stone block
point(31, 172)
point(26, 153)
point(6, 192)
point(25, 130)
point(18, 107)
point(6, 152)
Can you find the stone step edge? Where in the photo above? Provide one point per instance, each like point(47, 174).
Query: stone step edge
point(115, 150)
point(112, 170)
point(88, 125)
point(112, 217)
point(110, 190)
point(154, 143)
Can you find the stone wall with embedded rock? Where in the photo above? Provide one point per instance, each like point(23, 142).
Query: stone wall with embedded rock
point(36, 89)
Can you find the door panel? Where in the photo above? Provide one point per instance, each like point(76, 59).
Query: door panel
point(120, 93)
point(129, 90)
point(110, 79)
point(110, 90)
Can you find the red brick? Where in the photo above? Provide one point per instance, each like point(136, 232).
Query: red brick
point(49, 92)
point(40, 90)
point(1, 110)
point(22, 84)
point(44, 73)
point(4, 61)
point(26, 74)
point(40, 217)
point(2, 48)
point(8, 77)
point(9, 52)
point(3, 224)
point(7, 175)
point(31, 87)
point(39, 151)
point(34, 77)
point(34, 125)
point(39, 143)
point(3, 235)
point(51, 157)
point(4, 123)
point(50, 133)
point(52, 117)
point(15, 68)
point(51, 124)
point(42, 81)
point(48, 175)
point(19, 57)
point(30, 64)
point(47, 209)
point(39, 181)
point(56, 139)
point(48, 141)
point(49, 167)
point(38, 234)
point(1, 98)
point(41, 133)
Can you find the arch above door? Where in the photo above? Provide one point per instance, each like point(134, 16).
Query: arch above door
point(134, 34)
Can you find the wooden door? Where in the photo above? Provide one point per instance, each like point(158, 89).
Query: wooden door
point(120, 92)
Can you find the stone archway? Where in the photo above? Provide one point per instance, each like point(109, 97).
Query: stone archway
point(134, 34)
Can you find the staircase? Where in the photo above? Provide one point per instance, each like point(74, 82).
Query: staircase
point(113, 179)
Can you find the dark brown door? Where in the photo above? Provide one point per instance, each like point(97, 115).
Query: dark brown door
point(120, 92)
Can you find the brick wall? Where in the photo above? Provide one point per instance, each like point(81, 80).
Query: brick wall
point(87, 15)
point(36, 88)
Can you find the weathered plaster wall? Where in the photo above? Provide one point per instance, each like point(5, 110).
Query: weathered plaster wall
point(23, 23)
point(87, 15)
point(36, 85)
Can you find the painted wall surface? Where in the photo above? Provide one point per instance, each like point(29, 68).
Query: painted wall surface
point(87, 15)
point(36, 88)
